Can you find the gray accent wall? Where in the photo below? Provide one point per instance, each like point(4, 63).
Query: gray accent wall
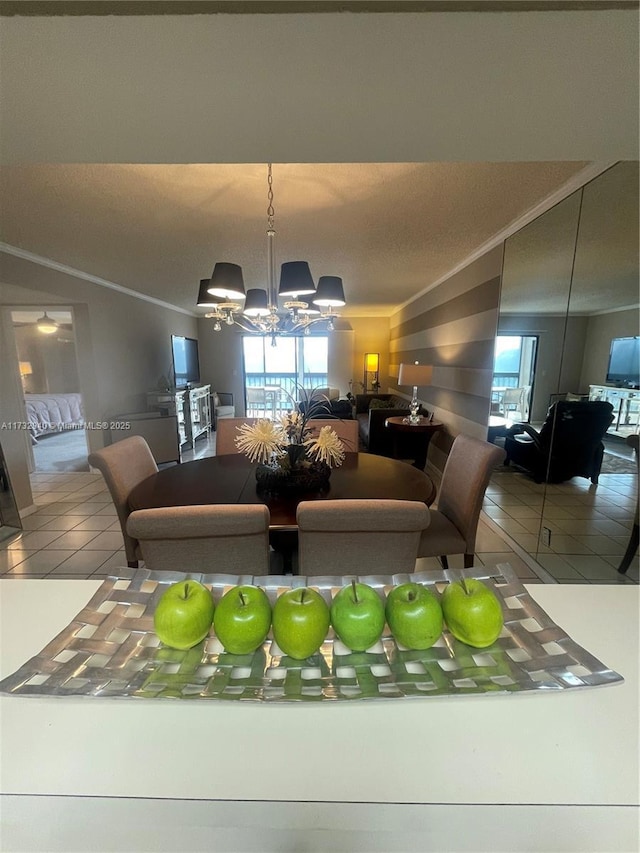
point(452, 327)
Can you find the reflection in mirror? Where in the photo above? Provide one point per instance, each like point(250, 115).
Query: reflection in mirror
point(605, 290)
point(604, 297)
point(536, 282)
point(577, 529)
point(9, 516)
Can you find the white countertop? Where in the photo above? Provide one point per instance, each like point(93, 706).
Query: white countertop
point(568, 747)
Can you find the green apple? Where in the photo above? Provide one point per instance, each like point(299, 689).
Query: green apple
point(184, 614)
point(357, 615)
point(300, 622)
point(414, 615)
point(242, 619)
point(472, 612)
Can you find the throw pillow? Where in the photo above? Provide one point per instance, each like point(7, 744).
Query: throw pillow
point(379, 404)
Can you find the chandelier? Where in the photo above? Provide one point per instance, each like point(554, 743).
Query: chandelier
point(224, 292)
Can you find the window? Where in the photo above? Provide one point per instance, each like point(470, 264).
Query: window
point(295, 361)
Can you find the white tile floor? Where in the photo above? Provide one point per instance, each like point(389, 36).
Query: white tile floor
point(75, 532)
point(589, 524)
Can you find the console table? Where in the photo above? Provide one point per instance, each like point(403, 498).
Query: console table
point(475, 773)
point(192, 407)
point(625, 402)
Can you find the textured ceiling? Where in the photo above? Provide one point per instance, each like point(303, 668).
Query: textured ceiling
point(388, 229)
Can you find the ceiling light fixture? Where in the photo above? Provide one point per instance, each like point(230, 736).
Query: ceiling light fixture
point(46, 325)
point(260, 315)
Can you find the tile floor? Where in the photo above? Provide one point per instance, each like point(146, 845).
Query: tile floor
point(75, 532)
point(589, 525)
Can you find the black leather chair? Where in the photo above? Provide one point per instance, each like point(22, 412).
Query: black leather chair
point(568, 445)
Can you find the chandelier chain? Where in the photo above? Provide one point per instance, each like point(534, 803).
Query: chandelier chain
point(299, 316)
point(270, 212)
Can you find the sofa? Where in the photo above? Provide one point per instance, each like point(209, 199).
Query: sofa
point(333, 407)
point(372, 410)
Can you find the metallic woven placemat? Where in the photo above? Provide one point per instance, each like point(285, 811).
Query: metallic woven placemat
point(110, 649)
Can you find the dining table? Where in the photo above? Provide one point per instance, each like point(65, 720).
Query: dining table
point(231, 479)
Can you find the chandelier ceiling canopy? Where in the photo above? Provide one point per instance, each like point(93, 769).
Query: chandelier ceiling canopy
point(256, 310)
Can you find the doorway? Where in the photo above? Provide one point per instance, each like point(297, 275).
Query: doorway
point(513, 376)
point(55, 428)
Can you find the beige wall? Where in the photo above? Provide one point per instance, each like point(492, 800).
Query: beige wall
point(370, 334)
point(600, 331)
point(322, 87)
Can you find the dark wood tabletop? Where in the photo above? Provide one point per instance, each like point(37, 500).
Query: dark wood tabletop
point(231, 479)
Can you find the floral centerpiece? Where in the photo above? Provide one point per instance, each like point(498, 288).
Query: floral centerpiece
point(290, 455)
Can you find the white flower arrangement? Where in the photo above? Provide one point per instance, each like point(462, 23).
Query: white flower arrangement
point(289, 440)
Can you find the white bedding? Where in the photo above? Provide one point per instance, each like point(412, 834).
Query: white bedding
point(47, 413)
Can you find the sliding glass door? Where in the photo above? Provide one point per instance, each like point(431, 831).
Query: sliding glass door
point(513, 373)
point(273, 374)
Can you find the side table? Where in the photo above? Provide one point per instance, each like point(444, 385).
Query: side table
point(498, 428)
point(413, 439)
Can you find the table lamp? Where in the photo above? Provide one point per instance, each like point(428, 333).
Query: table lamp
point(371, 366)
point(414, 374)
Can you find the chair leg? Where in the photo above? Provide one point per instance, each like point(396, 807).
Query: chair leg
point(468, 561)
point(444, 562)
point(632, 547)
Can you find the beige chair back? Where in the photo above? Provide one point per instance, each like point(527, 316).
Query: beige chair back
point(227, 433)
point(123, 465)
point(256, 400)
point(223, 538)
point(330, 393)
point(464, 481)
point(347, 431)
point(359, 536)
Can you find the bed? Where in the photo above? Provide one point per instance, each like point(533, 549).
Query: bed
point(50, 413)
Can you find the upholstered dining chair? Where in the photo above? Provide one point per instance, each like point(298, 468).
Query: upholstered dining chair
point(632, 547)
point(454, 523)
point(347, 431)
point(123, 465)
point(257, 401)
point(227, 433)
point(226, 538)
point(359, 536)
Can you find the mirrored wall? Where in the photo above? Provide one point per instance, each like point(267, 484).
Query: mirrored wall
point(569, 288)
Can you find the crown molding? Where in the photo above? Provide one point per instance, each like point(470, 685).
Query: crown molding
point(57, 8)
point(92, 279)
point(576, 182)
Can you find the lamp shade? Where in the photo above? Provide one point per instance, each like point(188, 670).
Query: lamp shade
point(330, 291)
point(205, 300)
point(25, 368)
point(371, 362)
point(227, 281)
point(295, 279)
point(256, 304)
point(46, 325)
point(415, 374)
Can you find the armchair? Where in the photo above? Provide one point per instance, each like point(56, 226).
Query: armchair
point(222, 407)
point(568, 445)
